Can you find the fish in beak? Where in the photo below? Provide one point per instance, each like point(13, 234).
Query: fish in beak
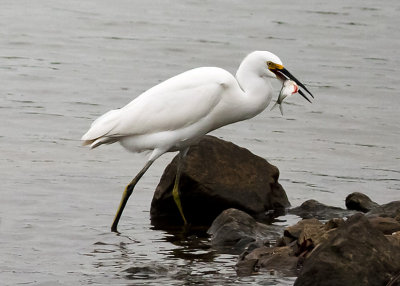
point(289, 87)
point(284, 74)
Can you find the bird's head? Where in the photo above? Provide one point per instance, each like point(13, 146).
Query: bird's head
point(277, 70)
point(267, 65)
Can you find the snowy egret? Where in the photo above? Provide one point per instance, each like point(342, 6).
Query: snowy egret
point(174, 114)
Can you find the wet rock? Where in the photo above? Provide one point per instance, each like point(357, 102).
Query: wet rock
point(315, 209)
point(294, 231)
point(284, 257)
point(395, 281)
point(387, 225)
point(218, 175)
point(394, 238)
point(391, 209)
point(360, 202)
point(307, 234)
point(354, 254)
point(279, 259)
point(309, 238)
point(234, 230)
point(333, 223)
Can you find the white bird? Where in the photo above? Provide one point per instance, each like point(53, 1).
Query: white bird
point(174, 114)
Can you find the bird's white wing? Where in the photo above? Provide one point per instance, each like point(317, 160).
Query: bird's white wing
point(171, 105)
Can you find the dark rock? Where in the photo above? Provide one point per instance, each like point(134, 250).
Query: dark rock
point(284, 241)
point(333, 223)
point(315, 209)
point(387, 225)
point(360, 202)
point(395, 281)
point(307, 234)
point(234, 229)
point(218, 175)
point(394, 238)
point(354, 254)
point(246, 267)
point(294, 231)
point(309, 238)
point(391, 209)
point(283, 258)
point(279, 259)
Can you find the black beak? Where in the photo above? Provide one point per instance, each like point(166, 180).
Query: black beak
point(303, 95)
point(288, 75)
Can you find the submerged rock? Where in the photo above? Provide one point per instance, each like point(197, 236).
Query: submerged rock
point(362, 250)
point(234, 230)
point(360, 202)
point(354, 254)
point(146, 271)
point(315, 209)
point(272, 259)
point(288, 253)
point(217, 175)
point(350, 252)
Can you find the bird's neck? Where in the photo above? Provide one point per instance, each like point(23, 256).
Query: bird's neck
point(257, 89)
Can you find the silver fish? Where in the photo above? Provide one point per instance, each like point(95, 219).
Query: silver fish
point(289, 87)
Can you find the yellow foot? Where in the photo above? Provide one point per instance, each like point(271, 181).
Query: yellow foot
point(175, 194)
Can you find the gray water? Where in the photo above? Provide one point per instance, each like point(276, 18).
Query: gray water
point(63, 63)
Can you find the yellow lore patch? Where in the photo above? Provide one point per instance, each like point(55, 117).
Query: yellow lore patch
point(274, 66)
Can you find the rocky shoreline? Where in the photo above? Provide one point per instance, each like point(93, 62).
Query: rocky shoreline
point(238, 195)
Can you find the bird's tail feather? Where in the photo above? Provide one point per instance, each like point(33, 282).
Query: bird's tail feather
point(99, 131)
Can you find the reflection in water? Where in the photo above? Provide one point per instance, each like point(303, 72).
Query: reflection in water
point(187, 257)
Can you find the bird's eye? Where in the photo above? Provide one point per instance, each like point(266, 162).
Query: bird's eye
point(270, 64)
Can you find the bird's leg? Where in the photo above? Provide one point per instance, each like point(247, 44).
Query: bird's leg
point(126, 194)
point(175, 190)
